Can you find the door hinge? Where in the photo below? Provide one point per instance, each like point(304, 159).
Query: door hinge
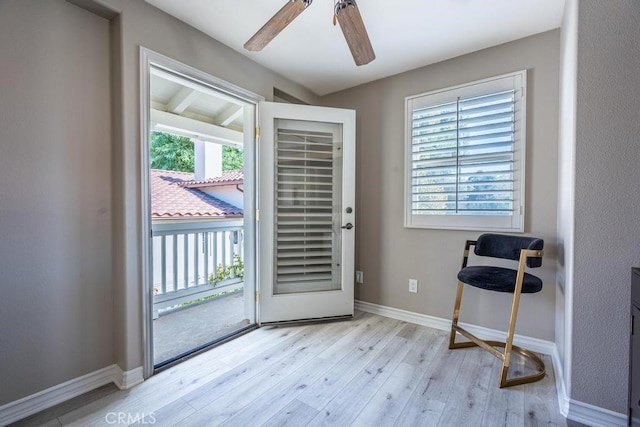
point(257, 214)
point(257, 132)
point(632, 325)
point(257, 296)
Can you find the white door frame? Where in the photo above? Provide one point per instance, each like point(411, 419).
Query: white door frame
point(150, 58)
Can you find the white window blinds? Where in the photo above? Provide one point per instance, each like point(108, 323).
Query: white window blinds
point(305, 247)
point(464, 156)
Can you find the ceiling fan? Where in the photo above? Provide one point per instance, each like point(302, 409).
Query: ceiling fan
point(345, 12)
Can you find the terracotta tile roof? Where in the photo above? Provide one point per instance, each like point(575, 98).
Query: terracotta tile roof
point(170, 200)
point(233, 177)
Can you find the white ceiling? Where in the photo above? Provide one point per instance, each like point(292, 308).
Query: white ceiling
point(185, 108)
point(405, 34)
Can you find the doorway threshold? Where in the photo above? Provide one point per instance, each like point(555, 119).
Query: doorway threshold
point(201, 349)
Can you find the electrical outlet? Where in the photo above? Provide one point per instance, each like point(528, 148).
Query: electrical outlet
point(359, 277)
point(413, 286)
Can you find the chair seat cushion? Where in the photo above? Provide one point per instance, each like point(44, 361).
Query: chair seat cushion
point(498, 279)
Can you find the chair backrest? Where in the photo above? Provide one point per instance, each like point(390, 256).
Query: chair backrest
point(508, 247)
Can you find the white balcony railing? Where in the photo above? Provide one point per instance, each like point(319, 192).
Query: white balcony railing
point(194, 260)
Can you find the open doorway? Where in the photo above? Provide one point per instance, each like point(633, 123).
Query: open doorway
point(201, 248)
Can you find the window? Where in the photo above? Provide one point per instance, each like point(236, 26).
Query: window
point(465, 156)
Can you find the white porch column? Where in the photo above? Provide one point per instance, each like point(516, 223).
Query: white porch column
point(208, 160)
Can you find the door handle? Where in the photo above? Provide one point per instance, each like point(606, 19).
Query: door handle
point(349, 226)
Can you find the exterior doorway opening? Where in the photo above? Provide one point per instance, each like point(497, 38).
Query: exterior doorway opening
point(200, 140)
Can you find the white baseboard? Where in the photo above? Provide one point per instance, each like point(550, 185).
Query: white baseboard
point(127, 379)
point(29, 405)
point(534, 344)
point(407, 316)
point(594, 415)
point(571, 409)
point(561, 390)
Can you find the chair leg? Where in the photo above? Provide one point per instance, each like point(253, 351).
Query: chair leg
point(508, 344)
point(456, 306)
point(509, 341)
point(456, 315)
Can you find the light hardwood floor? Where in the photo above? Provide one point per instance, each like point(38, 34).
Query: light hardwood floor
point(369, 371)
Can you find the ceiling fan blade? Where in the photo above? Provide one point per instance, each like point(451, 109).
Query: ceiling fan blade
point(354, 32)
point(276, 24)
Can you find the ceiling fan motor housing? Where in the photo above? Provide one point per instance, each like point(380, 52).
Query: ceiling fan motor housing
point(343, 4)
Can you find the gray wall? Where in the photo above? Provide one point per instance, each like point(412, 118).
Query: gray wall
point(607, 178)
point(390, 254)
point(56, 315)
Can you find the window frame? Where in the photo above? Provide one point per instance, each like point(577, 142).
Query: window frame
point(507, 223)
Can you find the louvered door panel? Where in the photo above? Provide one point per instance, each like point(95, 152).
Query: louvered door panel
point(308, 164)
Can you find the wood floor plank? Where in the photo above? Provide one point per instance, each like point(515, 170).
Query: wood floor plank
point(262, 361)
point(233, 394)
point(49, 423)
point(280, 395)
point(272, 336)
point(540, 400)
point(167, 415)
point(295, 414)
point(349, 401)
point(505, 406)
point(387, 404)
point(361, 351)
point(468, 398)
point(427, 402)
point(345, 343)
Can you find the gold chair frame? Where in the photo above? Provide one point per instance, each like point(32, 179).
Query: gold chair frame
point(508, 344)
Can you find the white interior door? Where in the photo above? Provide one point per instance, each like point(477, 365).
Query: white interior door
point(307, 216)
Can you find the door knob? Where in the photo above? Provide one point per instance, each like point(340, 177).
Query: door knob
point(349, 226)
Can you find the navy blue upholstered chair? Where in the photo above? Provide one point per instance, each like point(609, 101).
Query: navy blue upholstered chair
point(528, 252)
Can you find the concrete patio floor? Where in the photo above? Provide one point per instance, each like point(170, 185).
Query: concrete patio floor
point(190, 327)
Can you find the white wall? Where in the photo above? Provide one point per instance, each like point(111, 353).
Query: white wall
point(566, 185)
point(226, 193)
point(607, 179)
point(390, 254)
point(56, 312)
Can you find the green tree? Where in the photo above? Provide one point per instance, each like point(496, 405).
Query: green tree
point(171, 152)
point(176, 153)
point(231, 158)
